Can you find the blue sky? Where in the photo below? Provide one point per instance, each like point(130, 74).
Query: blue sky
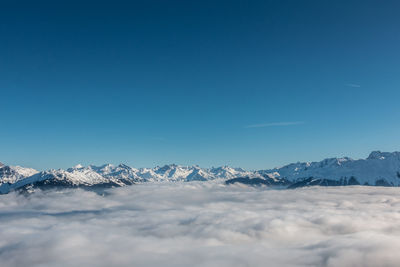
point(255, 84)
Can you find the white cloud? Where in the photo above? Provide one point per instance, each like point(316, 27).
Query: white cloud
point(271, 124)
point(202, 224)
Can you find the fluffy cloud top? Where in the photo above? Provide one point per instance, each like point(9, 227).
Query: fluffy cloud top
point(202, 224)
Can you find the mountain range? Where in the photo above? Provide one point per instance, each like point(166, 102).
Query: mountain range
point(378, 169)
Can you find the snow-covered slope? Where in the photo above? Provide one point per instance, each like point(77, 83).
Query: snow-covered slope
point(194, 173)
point(11, 174)
point(380, 168)
point(77, 176)
point(109, 175)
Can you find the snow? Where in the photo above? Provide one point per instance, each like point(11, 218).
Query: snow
point(12, 174)
point(78, 166)
point(378, 167)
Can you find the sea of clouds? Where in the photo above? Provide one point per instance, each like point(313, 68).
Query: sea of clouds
point(202, 224)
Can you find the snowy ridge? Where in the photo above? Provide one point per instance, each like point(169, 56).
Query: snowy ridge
point(12, 174)
point(109, 175)
point(379, 168)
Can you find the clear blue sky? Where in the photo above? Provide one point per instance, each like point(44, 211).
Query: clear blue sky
point(255, 84)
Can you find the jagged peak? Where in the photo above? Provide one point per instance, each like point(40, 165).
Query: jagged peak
point(166, 167)
point(375, 155)
point(101, 167)
point(106, 166)
point(379, 165)
point(78, 166)
point(334, 161)
point(122, 165)
point(225, 167)
point(382, 155)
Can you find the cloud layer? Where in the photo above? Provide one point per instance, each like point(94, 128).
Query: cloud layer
point(202, 224)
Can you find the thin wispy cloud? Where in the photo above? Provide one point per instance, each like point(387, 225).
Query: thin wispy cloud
point(272, 124)
point(354, 85)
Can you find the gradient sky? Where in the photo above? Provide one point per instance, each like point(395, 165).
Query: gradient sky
point(255, 84)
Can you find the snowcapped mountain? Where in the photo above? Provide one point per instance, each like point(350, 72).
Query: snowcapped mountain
point(77, 176)
point(109, 175)
point(380, 168)
point(11, 174)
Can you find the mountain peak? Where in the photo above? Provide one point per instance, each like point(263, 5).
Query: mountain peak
point(1, 165)
point(382, 155)
point(380, 168)
point(122, 165)
point(78, 166)
point(375, 155)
